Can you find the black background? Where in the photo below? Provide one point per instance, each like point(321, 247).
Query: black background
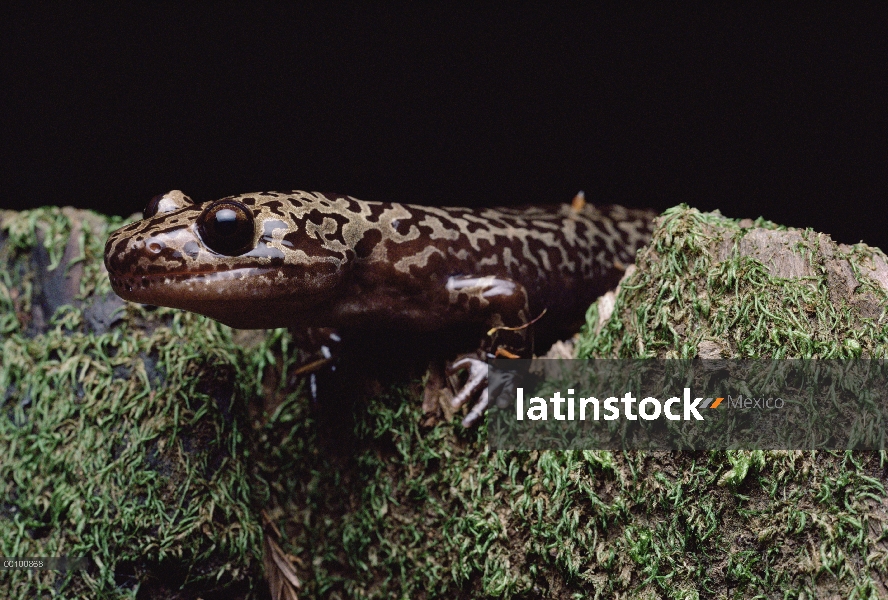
point(779, 113)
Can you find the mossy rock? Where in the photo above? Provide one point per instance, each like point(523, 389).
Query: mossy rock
point(166, 447)
point(119, 427)
point(721, 288)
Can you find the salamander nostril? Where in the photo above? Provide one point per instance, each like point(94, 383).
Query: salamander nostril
point(154, 245)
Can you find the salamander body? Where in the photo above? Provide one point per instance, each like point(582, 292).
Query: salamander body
point(304, 259)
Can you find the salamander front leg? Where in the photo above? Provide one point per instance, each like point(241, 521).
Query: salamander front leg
point(493, 384)
point(477, 381)
point(504, 303)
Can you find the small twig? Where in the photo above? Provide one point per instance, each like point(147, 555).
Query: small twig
point(520, 327)
point(312, 366)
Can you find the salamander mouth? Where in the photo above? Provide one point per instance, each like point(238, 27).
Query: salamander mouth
point(209, 291)
point(249, 298)
point(136, 283)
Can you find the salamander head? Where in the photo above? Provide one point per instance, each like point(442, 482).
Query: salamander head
point(240, 260)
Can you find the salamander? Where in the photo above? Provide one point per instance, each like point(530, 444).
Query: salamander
point(334, 263)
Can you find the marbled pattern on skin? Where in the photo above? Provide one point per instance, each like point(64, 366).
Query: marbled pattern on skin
point(323, 260)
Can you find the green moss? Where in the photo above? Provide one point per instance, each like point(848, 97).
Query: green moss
point(118, 447)
point(683, 293)
point(757, 524)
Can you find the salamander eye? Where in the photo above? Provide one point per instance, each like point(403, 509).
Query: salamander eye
point(227, 227)
point(168, 202)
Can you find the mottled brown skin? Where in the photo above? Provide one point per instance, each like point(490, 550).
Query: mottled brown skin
point(322, 260)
